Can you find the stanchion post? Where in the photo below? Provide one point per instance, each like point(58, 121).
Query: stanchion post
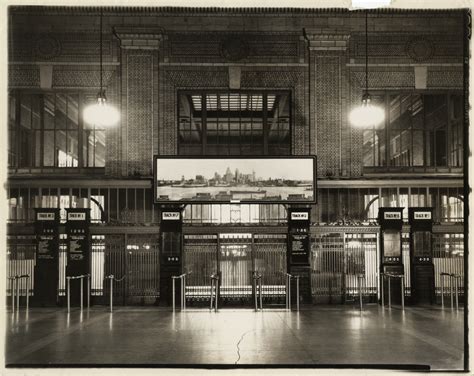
point(389, 294)
point(456, 286)
point(184, 292)
point(173, 297)
point(260, 291)
point(111, 292)
point(68, 282)
point(212, 293)
point(88, 290)
point(82, 292)
point(12, 290)
point(442, 290)
point(403, 291)
point(359, 278)
point(255, 291)
point(451, 289)
point(289, 292)
point(27, 292)
point(17, 294)
point(382, 290)
point(217, 292)
point(298, 293)
point(286, 293)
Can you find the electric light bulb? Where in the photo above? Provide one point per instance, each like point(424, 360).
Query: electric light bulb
point(101, 113)
point(366, 114)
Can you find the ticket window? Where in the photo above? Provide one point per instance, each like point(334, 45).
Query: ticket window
point(392, 247)
point(171, 248)
point(422, 248)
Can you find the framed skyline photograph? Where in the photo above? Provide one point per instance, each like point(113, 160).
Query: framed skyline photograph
point(235, 180)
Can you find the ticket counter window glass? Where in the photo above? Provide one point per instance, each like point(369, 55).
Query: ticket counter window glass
point(422, 244)
point(391, 244)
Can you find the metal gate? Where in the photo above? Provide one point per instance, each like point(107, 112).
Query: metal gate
point(338, 259)
point(234, 257)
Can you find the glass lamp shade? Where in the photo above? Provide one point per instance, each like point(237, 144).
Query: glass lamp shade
point(366, 115)
point(101, 113)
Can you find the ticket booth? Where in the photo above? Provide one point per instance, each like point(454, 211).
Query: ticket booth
point(171, 232)
point(391, 261)
point(299, 246)
point(421, 255)
point(47, 257)
point(78, 250)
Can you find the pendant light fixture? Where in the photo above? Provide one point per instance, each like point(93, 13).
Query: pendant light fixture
point(101, 113)
point(366, 115)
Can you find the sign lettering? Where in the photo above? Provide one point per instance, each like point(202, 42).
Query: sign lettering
point(422, 215)
point(295, 216)
point(45, 216)
point(170, 216)
point(392, 215)
point(76, 216)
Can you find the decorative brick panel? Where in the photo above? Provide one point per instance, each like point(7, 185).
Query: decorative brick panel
point(23, 76)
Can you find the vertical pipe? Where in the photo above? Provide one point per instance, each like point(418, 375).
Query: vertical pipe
point(389, 294)
point(82, 292)
point(298, 293)
point(402, 278)
point(260, 290)
point(68, 282)
point(173, 298)
point(111, 292)
point(442, 290)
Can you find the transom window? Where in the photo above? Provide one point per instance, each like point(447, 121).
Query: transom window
point(234, 123)
point(420, 130)
point(46, 130)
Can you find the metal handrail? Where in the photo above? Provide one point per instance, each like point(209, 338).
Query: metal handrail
point(214, 291)
point(456, 278)
point(288, 291)
point(15, 291)
point(181, 277)
point(402, 280)
point(257, 278)
point(81, 277)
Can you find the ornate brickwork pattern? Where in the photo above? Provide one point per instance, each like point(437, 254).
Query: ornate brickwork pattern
point(445, 78)
point(84, 77)
point(285, 79)
point(24, 76)
point(139, 113)
point(113, 139)
point(328, 114)
point(172, 81)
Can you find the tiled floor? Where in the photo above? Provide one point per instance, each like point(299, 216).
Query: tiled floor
point(317, 335)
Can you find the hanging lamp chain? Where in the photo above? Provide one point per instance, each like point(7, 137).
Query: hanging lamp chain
point(101, 93)
point(366, 56)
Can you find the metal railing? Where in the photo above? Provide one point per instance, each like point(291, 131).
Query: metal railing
point(289, 277)
point(112, 280)
point(15, 289)
point(182, 278)
point(456, 278)
point(389, 276)
point(257, 281)
point(360, 278)
point(214, 291)
point(81, 278)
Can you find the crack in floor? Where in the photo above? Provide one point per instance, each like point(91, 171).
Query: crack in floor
point(238, 343)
